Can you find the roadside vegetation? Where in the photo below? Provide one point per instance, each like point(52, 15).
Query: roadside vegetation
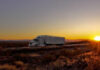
point(87, 58)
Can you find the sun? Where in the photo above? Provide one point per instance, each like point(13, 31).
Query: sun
point(97, 38)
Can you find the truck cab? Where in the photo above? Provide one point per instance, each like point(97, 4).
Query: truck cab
point(34, 42)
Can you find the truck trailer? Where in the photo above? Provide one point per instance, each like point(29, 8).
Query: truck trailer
point(45, 40)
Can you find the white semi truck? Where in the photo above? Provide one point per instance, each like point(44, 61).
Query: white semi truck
point(45, 40)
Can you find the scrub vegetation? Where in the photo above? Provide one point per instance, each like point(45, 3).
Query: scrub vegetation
point(74, 58)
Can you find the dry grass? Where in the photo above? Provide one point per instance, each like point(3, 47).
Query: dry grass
point(54, 60)
point(95, 46)
point(94, 57)
point(61, 59)
point(8, 67)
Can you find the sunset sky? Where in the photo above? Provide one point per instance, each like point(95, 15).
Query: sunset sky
point(73, 19)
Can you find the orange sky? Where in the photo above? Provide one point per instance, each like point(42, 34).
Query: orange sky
point(72, 19)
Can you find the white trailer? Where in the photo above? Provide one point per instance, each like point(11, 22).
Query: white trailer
point(45, 40)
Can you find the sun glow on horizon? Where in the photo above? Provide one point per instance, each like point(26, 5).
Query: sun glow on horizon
point(97, 38)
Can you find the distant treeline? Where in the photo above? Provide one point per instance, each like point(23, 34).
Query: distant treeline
point(24, 43)
point(6, 44)
point(78, 42)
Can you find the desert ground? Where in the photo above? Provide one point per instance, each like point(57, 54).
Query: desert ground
point(79, 55)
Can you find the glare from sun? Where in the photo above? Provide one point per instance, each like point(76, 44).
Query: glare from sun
point(97, 38)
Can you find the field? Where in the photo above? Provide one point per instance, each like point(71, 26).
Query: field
point(80, 55)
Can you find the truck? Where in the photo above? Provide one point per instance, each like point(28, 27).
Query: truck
point(45, 40)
